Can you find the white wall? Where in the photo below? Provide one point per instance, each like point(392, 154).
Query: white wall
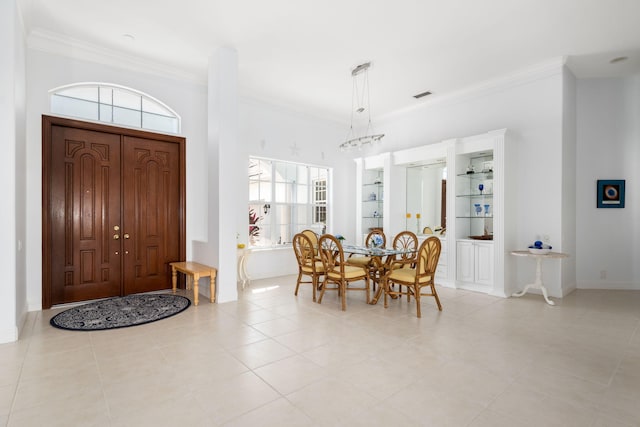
point(264, 130)
point(12, 87)
point(278, 133)
point(531, 109)
point(608, 129)
point(569, 161)
point(189, 99)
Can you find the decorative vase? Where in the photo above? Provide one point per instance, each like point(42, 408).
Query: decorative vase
point(376, 242)
point(478, 208)
point(486, 210)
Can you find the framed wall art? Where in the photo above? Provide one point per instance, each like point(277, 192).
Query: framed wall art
point(611, 193)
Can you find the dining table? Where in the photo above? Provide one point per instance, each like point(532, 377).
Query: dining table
point(382, 259)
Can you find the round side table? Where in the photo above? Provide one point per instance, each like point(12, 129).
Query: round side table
point(538, 282)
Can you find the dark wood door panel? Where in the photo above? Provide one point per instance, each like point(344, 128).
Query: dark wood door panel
point(95, 178)
point(152, 213)
point(85, 202)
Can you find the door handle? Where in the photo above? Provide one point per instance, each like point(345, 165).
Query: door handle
point(116, 236)
point(126, 235)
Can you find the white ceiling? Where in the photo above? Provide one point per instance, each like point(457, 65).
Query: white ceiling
point(300, 53)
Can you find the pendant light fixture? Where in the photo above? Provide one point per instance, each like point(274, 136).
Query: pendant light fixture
point(360, 103)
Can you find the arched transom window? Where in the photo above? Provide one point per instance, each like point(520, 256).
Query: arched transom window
point(114, 104)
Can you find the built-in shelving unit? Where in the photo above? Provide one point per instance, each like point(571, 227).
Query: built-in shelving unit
point(372, 208)
point(477, 244)
point(474, 194)
point(372, 199)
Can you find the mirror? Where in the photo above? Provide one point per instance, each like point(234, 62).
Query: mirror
point(427, 195)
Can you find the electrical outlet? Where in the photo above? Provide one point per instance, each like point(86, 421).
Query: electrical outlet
point(603, 274)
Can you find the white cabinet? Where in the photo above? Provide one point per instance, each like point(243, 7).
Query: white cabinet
point(441, 270)
point(474, 262)
point(442, 274)
point(465, 271)
point(483, 268)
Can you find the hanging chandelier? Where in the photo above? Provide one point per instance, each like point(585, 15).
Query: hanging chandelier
point(360, 90)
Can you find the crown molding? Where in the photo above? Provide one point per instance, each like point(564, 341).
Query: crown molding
point(536, 72)
point(49, 42)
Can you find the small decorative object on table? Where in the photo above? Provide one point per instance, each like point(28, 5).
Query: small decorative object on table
point(339, 237)
point(376, 241)
point(539, 248)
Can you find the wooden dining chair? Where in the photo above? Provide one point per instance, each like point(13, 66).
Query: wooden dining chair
point(338, 272)
point(314, 241)
point(414, 279)
point(308, 264)
point(408, 242)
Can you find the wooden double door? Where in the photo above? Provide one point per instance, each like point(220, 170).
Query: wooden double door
point(113, 210)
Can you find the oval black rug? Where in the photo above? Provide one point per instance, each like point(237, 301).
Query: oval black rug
point(121, 312)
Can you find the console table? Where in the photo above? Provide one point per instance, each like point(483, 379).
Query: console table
point(243, 276)
point(538, 282)
point(194, 271)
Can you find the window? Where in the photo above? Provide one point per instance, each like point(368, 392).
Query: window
point(284, 199)
point(114, 104)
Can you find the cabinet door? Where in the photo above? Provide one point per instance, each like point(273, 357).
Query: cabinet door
point(464, 262)
point(483, 264)
point(441, 270)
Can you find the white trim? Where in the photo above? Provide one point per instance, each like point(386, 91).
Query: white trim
point(609, 286)
point(8, 335)
point(46, 41)
point(524, 76)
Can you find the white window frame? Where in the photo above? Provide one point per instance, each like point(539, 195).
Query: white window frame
point(269, 206)
point(96, 106)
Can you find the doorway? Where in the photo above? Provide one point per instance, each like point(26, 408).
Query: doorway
point(113, 210)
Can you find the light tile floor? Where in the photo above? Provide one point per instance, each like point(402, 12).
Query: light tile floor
point(272, 359)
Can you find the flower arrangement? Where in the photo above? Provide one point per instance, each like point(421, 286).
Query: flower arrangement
point(254, 230)
point(376, 241)
point(339, 237)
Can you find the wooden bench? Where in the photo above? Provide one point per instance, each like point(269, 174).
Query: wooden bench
point(194, 271)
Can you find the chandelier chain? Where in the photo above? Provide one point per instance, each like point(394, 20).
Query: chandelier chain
point(361, 98)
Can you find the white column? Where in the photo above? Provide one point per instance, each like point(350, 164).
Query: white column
point(226, 170)
point(8, 301)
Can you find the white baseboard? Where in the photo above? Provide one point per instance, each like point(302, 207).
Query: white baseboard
point(34, 306)
point(617, 286)
point(568, 290)
point(8, 335)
